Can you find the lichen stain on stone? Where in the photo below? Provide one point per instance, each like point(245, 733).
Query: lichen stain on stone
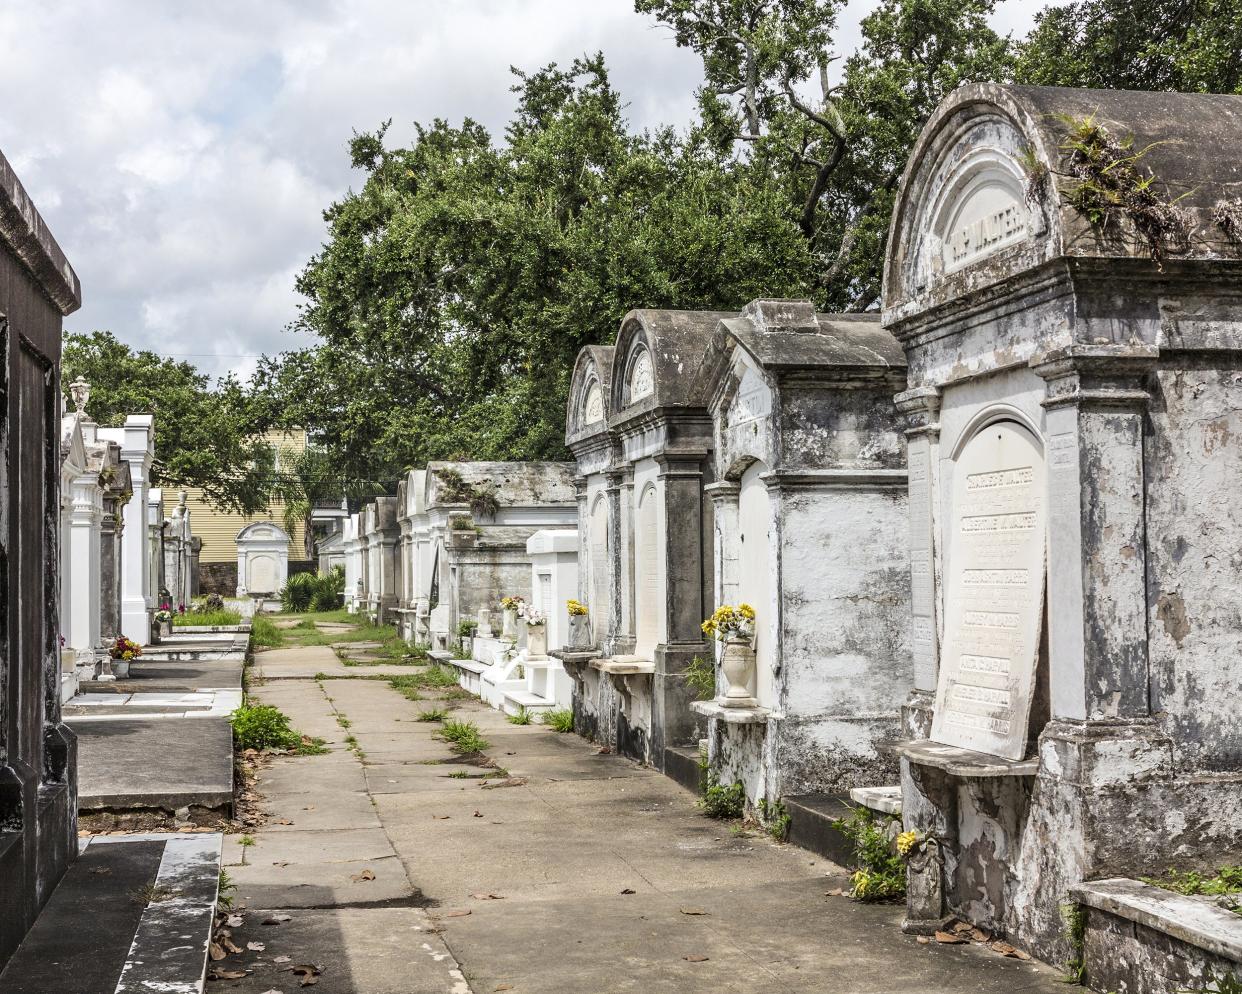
point(1216, 435)
point(1171, 610)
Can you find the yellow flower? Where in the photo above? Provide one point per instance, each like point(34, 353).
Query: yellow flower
point(746, 611)
point(906, 841)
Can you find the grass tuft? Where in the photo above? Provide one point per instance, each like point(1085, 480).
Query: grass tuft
point(561, 720)
point(464, 735)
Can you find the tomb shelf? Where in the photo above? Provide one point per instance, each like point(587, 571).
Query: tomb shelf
point(575, 657)
point(731, 716)
point(964, 763)
point(886, 800)
point(1197, 921)
point(624, 666)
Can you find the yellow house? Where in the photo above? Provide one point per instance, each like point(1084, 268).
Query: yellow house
point(218, 529)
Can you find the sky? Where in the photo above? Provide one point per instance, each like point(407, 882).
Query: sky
point(183, 153)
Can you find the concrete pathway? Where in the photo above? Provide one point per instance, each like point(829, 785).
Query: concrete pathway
point(403, 868)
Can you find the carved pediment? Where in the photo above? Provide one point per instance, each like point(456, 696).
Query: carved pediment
point(593, 405)
point(641, 380)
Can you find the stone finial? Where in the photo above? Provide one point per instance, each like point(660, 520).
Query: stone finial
point(182, 497)
point(81, 392)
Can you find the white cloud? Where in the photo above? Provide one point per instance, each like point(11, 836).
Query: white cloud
point(183, 153)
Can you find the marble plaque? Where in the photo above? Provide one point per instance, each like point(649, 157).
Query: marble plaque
point(995, 593)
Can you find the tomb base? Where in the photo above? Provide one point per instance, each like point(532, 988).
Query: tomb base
point(1099, 800)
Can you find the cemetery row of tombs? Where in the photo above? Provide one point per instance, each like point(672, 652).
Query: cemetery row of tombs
point(986, 536)
point(129, 564)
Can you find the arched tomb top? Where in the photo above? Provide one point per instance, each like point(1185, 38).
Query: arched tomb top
point(262, 532)
point(658, 360)
point(589, 407)
point(985, 194)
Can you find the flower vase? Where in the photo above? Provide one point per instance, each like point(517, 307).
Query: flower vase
point(579, 631)
point(737, 663)
point(536, 640)
point(510, 623)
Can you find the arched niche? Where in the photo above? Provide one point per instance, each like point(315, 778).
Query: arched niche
point(755, 580)
point(593, 404)
point(598, 549)
point(995, 587)
point(262, 574)
point(639, 374)
point(648, 574)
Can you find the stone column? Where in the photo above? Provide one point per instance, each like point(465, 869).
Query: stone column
point(584, 538)
point(724, 495)
point(136, 601)
point(110, 534)
point(620, 496)
point(83, 603)
point(1097, 398)
point(921, 406)
point(196, 552)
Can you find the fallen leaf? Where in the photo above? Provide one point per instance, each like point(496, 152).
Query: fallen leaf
point(629, 890)
point(503, 987)
point(307, 973)
point(256, 947)
point(216, 952)
point(364, 875)
point(277, 919)
point(102, 870)
point(235, 921)
point(457, 914)
point(979, 935)
point(283, 821)
point(442, 817)
point(692, 911)
point(488, 897)
point(835, 892)
point(282, 959)
point(309, 807)
point(478, 814)
point(950, 939)
point(602, 751)
point(922, 940)
point(1005, 949)
point(280, 863)
point(231, 946)
point(273, 991)
point(215, 974)
point(511, 782)
point(695, 958)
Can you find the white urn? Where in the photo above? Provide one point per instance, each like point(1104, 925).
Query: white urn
point(737, 663)
point(536, 640)
point(510, 623)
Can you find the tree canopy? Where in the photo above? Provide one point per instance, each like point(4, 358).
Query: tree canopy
point(458, 282)
point(206, 435)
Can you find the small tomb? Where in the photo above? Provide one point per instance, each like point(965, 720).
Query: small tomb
point(810, 531)
point(262, 564)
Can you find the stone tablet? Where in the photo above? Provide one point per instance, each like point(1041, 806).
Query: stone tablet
point(995, 593)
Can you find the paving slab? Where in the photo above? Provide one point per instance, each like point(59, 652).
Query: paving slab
point(144, 763)
point(359, 951)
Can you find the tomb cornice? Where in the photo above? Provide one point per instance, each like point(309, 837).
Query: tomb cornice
point(860, 478)
point(1097, 376)
point(681, 463)
point(921, 407)
point(723, 491)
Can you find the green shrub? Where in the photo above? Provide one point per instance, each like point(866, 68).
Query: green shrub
point(723, 801)
point(561, 720)
point(880, 872)
point(775, 819)
point(701, 678)
point(312, 592)
point(264, 633)
point(1227, 885)
point(261, 726)
point(464, 735)
point(521, 718)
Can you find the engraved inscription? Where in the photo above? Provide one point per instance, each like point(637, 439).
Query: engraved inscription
point(995, 587)
point(986, 234)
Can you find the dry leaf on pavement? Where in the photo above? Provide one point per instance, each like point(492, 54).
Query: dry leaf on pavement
point(695, 958)
point(692, 911)
point(216, 951)
point(364, 875)
point(256, 947)
point(629, 890)
point(488, 897)
point(951, 939)
point(457, 914)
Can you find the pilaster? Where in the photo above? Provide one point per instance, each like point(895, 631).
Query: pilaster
point(1096, 401)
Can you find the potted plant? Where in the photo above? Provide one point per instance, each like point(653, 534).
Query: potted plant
point(735, 628)
point(536, 631)
point(579, 625)
point(122, 652)
point(511, 606)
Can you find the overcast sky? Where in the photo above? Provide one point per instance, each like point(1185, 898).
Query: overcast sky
point(182, 153)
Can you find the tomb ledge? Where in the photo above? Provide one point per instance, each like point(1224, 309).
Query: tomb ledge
point(1198, 921)
point(731, 716)
point(965, 763)
point(624, 666)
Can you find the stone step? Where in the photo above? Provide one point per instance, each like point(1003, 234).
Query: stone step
point(134, 913)
point(515, 700)
point(681, 763)
point(810, 825)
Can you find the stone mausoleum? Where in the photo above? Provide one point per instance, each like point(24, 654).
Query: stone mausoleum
point(1074, 405)
point(810, 531)
point(38, 755)
point(638, 426)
